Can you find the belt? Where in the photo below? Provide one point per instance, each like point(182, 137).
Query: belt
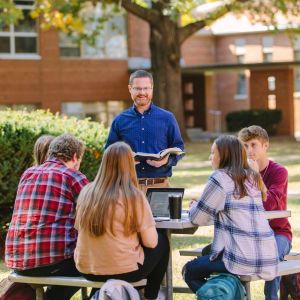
point(150, 181)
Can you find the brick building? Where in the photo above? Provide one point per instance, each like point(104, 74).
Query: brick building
point(231, 66)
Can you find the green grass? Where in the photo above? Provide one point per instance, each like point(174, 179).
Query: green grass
point(192, 173)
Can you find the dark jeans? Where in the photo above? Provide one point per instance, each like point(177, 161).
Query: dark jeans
point(153, 268)
point(63, 268)
point(272, 287)
point(197, 271)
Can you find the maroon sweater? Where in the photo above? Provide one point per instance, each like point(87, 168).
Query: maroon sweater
point(275, 177)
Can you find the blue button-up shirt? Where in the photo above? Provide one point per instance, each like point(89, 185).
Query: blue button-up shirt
point(154, 130)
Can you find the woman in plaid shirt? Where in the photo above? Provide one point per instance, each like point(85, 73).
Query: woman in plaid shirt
point(243, 242)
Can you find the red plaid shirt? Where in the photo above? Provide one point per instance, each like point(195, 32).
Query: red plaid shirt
point(42, 231)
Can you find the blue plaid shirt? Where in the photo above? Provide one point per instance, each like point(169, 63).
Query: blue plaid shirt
point(241, 231)
point(154, 130)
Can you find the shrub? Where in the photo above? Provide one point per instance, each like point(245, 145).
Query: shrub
point(18, 133)
point(266, 118)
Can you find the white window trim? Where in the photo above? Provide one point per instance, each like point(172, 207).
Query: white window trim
point(12, 34)
point(21, 56)
point(239, 97)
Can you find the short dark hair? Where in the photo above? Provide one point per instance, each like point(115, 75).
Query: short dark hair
point(65, 146)
point(140, 74)
point(253, 132)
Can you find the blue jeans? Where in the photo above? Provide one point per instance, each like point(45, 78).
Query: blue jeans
point(272, 287)
point(196, 271)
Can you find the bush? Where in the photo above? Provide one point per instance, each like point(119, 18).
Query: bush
point(266, 118)
point(18, 133)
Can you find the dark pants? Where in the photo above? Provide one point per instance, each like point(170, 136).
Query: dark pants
point(272, 287)
point(153, 268)
point(63, 268)
point(197, 271)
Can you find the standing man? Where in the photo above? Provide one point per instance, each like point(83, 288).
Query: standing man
point(275, 177)
point(147, 128)
point(41, 237)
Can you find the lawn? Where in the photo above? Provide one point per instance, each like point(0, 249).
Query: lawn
point(192, 173)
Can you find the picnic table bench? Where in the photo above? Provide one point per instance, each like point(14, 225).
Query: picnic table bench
point(38, 283)
point(290, 265)
point(284, 268)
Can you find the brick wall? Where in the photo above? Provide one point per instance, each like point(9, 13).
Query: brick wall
point(52, 80)
point(284, 95)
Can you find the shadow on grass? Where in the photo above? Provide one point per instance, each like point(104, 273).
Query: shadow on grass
point(183, 241)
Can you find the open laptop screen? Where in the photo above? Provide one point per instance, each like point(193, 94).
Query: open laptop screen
point(159, 201)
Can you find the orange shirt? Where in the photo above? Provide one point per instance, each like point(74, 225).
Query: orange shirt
point(111, 254)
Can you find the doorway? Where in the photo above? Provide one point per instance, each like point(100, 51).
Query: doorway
point(193, 95)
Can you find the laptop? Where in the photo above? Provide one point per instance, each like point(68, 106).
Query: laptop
point(159, 201)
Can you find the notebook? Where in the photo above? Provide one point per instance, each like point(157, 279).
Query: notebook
point(159, 201)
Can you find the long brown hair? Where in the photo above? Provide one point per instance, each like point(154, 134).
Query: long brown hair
point(41, 147)
point(233, 158)
point(97, 201)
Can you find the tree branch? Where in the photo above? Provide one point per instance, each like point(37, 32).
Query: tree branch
point(147, 14)
point(188, 30)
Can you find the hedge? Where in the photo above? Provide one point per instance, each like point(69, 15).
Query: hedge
point(18, 133)
point(266, 118)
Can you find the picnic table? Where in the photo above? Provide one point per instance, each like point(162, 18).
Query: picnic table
point(184, 226)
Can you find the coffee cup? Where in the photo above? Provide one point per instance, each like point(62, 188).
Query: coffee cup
point(175, 206)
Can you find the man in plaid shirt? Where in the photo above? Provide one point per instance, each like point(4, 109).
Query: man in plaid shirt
point(41, 238)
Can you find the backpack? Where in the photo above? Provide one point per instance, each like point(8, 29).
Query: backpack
point(290, 285)
point(16, 291)
point(223, 286)
point(114, 289)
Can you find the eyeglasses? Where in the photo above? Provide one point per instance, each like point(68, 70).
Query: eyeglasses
point(142, 89)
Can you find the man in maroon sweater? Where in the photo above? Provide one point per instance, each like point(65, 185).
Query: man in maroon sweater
point(275, 177)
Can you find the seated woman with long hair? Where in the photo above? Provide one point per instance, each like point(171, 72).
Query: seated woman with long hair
point(117, 238)
point(243, 242)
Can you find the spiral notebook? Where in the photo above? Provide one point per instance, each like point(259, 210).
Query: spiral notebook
point(159, 201)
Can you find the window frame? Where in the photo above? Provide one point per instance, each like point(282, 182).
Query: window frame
point(12, 35)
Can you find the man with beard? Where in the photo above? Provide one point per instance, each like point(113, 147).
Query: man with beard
point(149, 129)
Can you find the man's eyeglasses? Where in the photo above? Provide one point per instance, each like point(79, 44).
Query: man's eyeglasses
point(142, 89)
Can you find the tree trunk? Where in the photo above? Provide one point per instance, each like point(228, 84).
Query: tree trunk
point(165, 60)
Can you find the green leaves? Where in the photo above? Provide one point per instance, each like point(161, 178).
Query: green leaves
point(18, 133)
point(9, 13)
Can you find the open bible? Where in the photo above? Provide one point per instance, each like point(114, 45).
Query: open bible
point(141, 156)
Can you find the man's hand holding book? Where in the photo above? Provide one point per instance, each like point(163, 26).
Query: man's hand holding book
point(157, 159)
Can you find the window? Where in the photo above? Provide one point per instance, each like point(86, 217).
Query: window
point(272, 83)
point(20, 39)
point(241, 84)
point(110, 43)
point(240, 50)
point(272, 101)
point(267, 43)
point(297, 69)
point(297, 80)
point(98, 111)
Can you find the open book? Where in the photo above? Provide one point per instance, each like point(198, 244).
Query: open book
point(141, 156)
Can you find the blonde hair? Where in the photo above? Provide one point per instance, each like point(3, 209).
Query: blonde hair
point(97, 201)
point(41, 147)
